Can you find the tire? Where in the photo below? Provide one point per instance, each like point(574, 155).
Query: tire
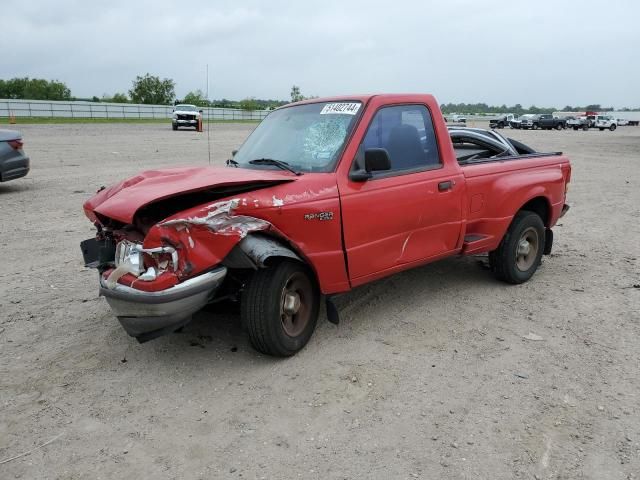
point(585, 128)
point(559, 126)
point(612, 127)
point(575, 128)
point(174, 127)
point(509, 262)
point(267, 296)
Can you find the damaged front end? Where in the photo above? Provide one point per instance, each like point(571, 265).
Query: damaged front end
point(156, 274)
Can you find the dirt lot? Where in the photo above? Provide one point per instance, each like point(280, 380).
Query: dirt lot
point(428, 376)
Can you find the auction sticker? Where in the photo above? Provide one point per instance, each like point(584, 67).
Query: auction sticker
point(341, 108)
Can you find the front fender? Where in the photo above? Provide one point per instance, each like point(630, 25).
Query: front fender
point(204, 237)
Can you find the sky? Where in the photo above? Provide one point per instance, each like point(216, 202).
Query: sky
point(540, 52)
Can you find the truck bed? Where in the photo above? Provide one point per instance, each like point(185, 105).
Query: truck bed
point(494, 182)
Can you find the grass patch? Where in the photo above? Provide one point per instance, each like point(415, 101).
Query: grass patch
point(58, 120)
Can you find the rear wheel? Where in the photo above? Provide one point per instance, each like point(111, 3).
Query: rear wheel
point(279, 308)
point(559, 126)
point(517, 257)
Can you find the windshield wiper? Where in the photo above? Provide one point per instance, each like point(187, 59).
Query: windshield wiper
point(277, 163)
point(232, 163)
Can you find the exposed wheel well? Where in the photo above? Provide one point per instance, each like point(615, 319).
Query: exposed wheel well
point(538, 205)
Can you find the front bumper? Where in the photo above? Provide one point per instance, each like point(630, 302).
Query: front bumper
point(147, 315)
point(185, 122)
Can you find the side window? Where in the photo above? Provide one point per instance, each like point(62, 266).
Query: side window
point(406, 133)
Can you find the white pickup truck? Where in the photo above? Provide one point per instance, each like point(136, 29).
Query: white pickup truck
point(605, 121)
point(185, 116)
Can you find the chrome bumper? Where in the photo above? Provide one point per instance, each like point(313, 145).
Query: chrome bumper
point(147, 315)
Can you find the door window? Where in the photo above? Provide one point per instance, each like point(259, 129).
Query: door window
point(406, 133)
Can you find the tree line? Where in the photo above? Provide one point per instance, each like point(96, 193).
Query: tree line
point(483, 108)
point(34, 89)
point(151, 89)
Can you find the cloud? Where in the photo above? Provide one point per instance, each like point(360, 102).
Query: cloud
point(544, 52)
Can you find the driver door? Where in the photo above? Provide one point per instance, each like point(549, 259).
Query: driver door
point(406, 215)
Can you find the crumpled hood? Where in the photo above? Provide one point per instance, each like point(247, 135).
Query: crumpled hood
point(122, 200)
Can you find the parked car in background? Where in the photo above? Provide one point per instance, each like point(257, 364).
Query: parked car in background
point(502, 121)
point(185, 116)
point(458, 118)
point(547, 121)
point(622, 122)
point(13, 161)
point(578, 123)
point(529, 121)
point(603, 122)
point(515, 123)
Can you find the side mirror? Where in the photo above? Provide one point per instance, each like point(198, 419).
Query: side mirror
point(200, 111)
point(375, 160)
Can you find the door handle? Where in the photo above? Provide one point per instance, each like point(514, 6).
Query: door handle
point(444, 186)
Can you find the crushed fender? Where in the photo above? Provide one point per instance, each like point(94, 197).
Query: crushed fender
point(221, 219)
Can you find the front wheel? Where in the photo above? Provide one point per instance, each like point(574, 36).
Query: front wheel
point(517, 257)
point(612, 127)
point(174, 127)
point(279, 308)
point(559, 126)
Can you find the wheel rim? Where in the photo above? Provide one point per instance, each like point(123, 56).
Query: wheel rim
point(295, 304)
point(527, 249)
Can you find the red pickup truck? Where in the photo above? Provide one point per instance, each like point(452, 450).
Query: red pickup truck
point(325, 195)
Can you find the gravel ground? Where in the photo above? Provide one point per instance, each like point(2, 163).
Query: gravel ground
point(429, 375)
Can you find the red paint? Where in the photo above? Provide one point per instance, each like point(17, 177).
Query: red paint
point(380, 226)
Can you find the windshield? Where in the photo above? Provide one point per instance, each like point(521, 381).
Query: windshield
point(308, 137)
point(186, 108)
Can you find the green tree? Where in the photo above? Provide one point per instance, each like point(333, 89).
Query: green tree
point(34, 89)
point(58, 91)
point(116, 98)
point(151, 90)
point(249, 104)
point(196, 98)
point(119, 98)
point(296, 95)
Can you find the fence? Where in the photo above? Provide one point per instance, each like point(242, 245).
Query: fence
point(50, 109)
